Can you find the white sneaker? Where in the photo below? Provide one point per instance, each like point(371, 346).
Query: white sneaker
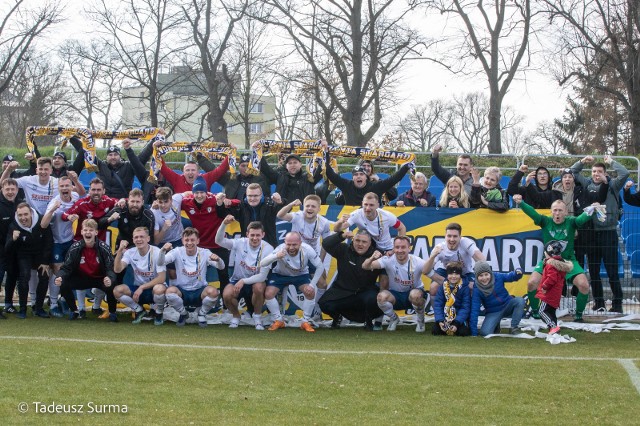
point(393, 322)
point(420, 327)
point(259, 326)
point(234, 323)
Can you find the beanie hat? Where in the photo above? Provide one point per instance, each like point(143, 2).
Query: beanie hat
point(479, 268)
point(199, 185)
point(566, 172)
point(113, 148)
point(60, 154)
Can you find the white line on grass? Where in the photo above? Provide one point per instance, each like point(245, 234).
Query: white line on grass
point(632, 371)
point(313, 351)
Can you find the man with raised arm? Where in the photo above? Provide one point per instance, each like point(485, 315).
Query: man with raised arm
point(293, 259)
point(148, 275)
point(249, 278)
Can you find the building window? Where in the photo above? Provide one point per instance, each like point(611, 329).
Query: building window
point(255, 128)
point(257, 108)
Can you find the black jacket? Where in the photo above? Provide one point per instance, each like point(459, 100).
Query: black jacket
point(7, 214)
point(265, 212)
point(351, 278)
point(290, 187)
point(631, 199)
point(479, 191)
point(581, 197)
point(74, 254)
point(516, 188)
point(125, 170)
point(78, 163)
point(353, 196)
point(38, 242)
point(127, 223)
point(236, 187)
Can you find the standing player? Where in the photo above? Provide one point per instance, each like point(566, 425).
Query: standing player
point(293, 259)
point(191, 287)
point(149, 275)
point(375, 220)
point(404, 288)
point(249, 278)
point(38, 189)
point(168, 224)
point(312, 227)
point(454, 248)
point(62, 235)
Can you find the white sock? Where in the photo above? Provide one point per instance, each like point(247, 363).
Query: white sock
point(207, 304)
point(81, 296)
point(98, 297)
point(257, 319)
point(274, 308)
point(160, 300)
point(319, 293)
point(307, 309)
point(419, 313)
point(175, 302)
point(130, 303)
point(54, 291)
point(387, 308)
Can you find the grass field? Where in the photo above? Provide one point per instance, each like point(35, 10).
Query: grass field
point(216, 375)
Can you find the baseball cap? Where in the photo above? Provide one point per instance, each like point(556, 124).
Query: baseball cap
point(8, 157)
point(294, 156)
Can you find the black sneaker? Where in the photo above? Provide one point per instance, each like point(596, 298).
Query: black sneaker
point(616, 309)
point(10, 310)
point(368, 325)
point(2, 316)
point(97, 311)
point(41, 313)
point(183, 319)
point(82, 314)
point(21, 314)
point(74, 316)
point(113, 317)
point(335, 324)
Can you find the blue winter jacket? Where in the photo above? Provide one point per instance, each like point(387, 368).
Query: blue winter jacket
point(494, 302)
point(462, 304)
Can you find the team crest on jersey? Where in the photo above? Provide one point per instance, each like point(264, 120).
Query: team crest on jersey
point(125, 220)
point(106, 209)
point(89, 215)
point(192, 211)
point(81, 260)
point(208, 209)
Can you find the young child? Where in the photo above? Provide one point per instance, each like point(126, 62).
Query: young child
point(551, 284)
point(488, 195)
point(451, 304)
point(491, 293)
point(312, 227)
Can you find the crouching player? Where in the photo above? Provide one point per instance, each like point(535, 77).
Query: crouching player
point(404, 289)
point(191, 287)
point(148, 275)
point(293, 259)
point(249, 279)
point(88, 264)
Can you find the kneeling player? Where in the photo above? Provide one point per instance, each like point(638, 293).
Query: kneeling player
point(248, 279)
point(404, 287)
point(191, 287)
point(148, 275)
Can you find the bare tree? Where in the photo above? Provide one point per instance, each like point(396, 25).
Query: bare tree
point(212, 28)
point(21, 25)
point(496, 34)
point(354, 49)
point(141, 36)
point(597, 38)
point(545, 139)
point(95, 89)
point(469, 124)
point(426, 125)
point(35, 97)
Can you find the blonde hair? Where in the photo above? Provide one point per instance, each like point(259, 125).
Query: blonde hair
point(493, 170)
point(463, 200)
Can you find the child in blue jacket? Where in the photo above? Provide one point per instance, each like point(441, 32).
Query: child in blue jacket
point(451, 304)
point(491, 293)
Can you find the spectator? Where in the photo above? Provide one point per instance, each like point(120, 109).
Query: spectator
point(452, 304)
point(602, 241)
point(463, 168)
point(190, 171)
point(117, 174)
point(538, 180)
point(235, 187)
point(629, 198)
point(367, 166)
point(491, 294)
point(8, 203)
point(551, 284)
point(453, 195)
point(417, 196)
point(488, 193)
